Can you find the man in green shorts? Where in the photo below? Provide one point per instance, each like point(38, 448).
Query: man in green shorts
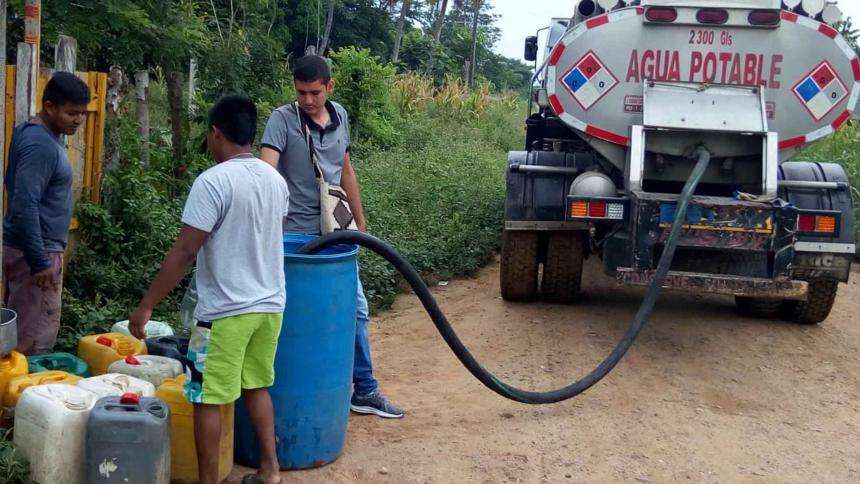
point(233, 225)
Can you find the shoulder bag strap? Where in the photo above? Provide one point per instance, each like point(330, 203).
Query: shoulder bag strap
point(312, 152)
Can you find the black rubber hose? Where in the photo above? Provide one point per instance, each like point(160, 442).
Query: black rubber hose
point(463, 354)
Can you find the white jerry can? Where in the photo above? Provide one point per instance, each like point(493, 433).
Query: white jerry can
point(50, 431)
point(115, 385)
point(151, 368)
point(153, 329)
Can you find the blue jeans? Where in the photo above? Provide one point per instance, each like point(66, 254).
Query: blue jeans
point(362, 371)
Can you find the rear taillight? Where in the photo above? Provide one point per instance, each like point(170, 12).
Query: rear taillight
point(713, 16)
point(597, 209)
point(661, 14)
point(806, 223)
point(765, 18)
point(817, 224)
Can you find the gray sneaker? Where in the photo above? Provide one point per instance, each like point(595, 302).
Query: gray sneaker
point(375, 404)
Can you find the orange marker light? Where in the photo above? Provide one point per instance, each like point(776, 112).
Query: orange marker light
point(579, 208)
point(825, 224)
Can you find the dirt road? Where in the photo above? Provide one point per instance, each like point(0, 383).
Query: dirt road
point(705, 395)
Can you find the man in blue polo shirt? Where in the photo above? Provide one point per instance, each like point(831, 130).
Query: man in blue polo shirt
point(36, 226)
point(285, 148)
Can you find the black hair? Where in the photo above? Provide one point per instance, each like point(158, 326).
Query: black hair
point(312, 68)
point(66, 88)
point(236, 117)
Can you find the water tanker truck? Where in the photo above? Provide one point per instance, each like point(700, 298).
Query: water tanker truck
point(627, 93)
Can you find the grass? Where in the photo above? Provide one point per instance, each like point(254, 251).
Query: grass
point(14, 469)
point(438, 195)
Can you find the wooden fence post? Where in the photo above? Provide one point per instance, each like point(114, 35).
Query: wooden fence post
point(141, 89)
point(192, 80)
point(32, 37)
point(65, 54)
point(2, 134)
point(25, 89)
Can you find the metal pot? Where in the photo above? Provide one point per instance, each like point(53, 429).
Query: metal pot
point(8, 331)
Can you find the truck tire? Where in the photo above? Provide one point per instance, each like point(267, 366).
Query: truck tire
point(562, 271)
point(759, 307)
point(519, 266)
point(817, 307)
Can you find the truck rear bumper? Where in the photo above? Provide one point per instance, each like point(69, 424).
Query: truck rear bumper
point(719, 284)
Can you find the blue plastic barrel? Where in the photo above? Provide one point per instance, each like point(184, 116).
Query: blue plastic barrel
point(313, 365)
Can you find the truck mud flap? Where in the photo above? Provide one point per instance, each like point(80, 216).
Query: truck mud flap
point(716, 284)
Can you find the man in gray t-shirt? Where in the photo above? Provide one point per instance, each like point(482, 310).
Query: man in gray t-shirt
point(233, 225)
point(284, 147)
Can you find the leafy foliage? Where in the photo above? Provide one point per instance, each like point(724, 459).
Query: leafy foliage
point(123, 240)
point(436, 163)
point(246, 46)
point(13, 467)
point(362, 85)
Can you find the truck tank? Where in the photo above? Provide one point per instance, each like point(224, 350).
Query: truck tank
point(597, 73)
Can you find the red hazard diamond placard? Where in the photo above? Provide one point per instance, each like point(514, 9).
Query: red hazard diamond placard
point(588, 80)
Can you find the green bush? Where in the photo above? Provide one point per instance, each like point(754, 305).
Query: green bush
point(438, 195)
point(363, 85)
point(122, 241)
point(432, 176)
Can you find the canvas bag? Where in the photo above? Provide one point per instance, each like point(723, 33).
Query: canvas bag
point(335, 212)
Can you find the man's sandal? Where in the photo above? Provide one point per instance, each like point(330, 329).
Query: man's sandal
point(255, 479)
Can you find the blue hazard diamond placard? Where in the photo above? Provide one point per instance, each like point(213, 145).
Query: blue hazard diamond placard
point(588, 80)
point(821, 91)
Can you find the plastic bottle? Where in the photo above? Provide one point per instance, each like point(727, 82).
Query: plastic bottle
point(11, 367)
point(17, 385)
point(50, 431)
point(115, 385)
point(152, 329)
point(59, 361)
point(153, 369)
point(183, 450)
point(100, 350)
point(128, 441)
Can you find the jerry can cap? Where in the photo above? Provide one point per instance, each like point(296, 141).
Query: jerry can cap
point(129, 398)
point(104, 340)
point(131, 360)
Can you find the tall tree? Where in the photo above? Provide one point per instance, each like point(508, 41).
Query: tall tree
point(473, 65)
point(329, 20)
point(401, 22)
point(440, 20)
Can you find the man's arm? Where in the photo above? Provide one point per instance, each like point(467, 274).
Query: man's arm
point(349, 183)
point(274, 139)
point(173, 269)
point(270, 156)
point(34, 169)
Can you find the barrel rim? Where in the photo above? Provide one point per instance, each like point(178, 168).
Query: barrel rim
point(7, 316)
point(318, 258)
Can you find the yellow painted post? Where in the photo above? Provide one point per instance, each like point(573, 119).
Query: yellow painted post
point(9, 115)
point(98, 140)
point(2, 135)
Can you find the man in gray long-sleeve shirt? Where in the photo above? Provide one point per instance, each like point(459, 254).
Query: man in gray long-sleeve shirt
point(36, 226)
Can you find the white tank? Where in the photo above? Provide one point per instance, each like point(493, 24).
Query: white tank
point(116, 385)
point(50, 431)
point(151, 368)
